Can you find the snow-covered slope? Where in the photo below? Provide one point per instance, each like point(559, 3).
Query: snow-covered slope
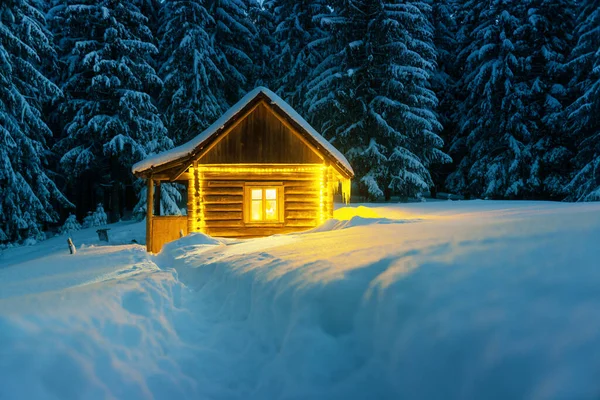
point(433, 300)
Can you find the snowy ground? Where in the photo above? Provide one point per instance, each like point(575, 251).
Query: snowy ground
point(469, 299)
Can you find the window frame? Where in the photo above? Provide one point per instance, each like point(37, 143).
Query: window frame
point(248, 187)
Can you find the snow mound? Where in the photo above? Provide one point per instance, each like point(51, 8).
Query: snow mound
point(335, 224)
point(104, 339)
point(346, 213)
point(489, 300)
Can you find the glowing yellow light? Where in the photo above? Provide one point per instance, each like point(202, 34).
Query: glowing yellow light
point(346, 188)
point(322, 195)
point(202, 223)
point(263, 204)
point(271, 210)
point(191, 202)
point(265, 170)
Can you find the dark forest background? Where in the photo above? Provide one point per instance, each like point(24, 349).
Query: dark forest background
point(493, 99)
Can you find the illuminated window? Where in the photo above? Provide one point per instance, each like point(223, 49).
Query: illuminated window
point(263, 204)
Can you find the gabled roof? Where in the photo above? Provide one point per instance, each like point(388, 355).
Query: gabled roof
point(189, 151)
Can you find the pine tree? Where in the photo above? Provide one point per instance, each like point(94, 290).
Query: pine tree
point(29, 196)
point(296, 31)
point(583, 113)
point(545, 38)
point(70, 225)
point(192, 97)
point(372, 97)
point(106, 48)
point(233, 38)
point(265, 46)
point(96, 218)
point(445, 76)
point(495, 128)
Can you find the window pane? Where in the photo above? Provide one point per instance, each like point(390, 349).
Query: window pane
point(271, 210)
point(256, 194)
point(256, 211)
point(271, 194)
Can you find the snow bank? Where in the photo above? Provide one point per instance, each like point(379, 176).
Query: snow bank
point(468, 300)
point(478, 301)
point(103, 337)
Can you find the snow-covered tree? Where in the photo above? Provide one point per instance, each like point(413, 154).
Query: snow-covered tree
point(510, 142)
point(372, 97)
point(265, 46)
point(584, 122)
point(96, 218)
point(296, 33)
point(70, 225)
point(445, 76)
point(545, 39)
point(233, 38)
point(495, 128)
point(170, 197)
point(107, 48)
point(192, 96)
point(28, 196)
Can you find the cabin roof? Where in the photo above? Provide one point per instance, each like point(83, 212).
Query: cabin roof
point(192, 148)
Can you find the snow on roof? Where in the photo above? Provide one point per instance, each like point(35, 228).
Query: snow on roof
point(188, 148)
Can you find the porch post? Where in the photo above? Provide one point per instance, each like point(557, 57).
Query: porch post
point(191, 200)
point(149, 204)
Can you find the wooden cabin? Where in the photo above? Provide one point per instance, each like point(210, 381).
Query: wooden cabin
point(259, 170)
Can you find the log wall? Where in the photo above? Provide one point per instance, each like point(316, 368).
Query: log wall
point(222, 201)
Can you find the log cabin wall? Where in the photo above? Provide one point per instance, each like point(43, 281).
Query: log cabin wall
point(220, 207)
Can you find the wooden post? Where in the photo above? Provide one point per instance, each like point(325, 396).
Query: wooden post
point(71, 246)
point(198, 207)
point(149, 204)
point(191, 201)
point(331, 181)
point(325, 205)
point(157, 195)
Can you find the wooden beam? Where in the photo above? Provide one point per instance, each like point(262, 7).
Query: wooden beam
point(167, 177)
point(178, 172)
point(149, 204)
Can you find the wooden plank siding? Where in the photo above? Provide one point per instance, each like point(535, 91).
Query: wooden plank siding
point(261, 138)
point(166, 229)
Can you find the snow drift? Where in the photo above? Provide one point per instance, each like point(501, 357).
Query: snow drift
point(441, 300)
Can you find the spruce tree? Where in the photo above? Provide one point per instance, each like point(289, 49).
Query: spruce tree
point(495, 128)
point(296, 33)
point(265, 44)
point(583, 114)
point(112, 121)
point(192, 96)
point(372, 97)
point(545, 39)
point(445, 75)
point(233, 38)
point(29, 196)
